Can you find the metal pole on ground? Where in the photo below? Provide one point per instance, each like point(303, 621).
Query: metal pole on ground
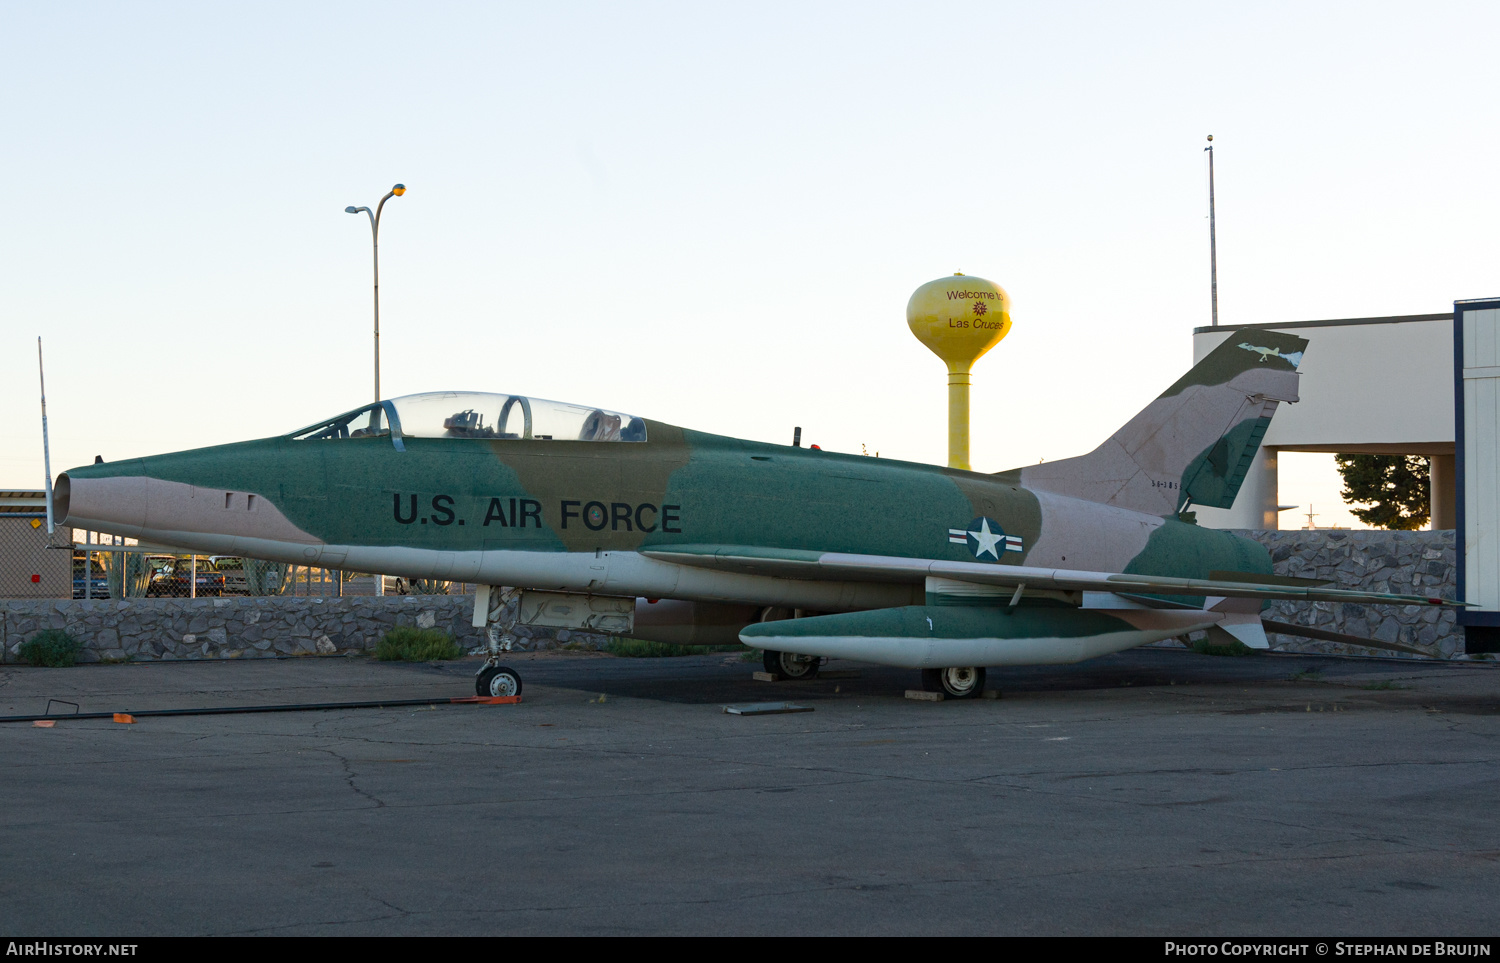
point(395, 191)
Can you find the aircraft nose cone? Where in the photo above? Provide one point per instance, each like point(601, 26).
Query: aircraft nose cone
point(141, 504)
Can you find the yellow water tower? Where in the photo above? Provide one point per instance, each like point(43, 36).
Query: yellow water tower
point(959, 318)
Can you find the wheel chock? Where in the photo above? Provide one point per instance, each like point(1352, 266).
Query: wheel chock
point(487, 700)
point(43, 723)
point(125, 718)
point(922, 695)
point(765, 677)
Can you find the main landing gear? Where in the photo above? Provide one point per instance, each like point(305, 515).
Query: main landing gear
point(791, 666)
point(962, 682)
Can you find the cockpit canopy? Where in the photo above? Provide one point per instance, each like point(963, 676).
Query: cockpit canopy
point(478, 414)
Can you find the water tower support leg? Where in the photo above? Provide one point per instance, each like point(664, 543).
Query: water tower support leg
point(958, 419)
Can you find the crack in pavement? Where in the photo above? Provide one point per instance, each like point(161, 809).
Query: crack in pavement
point(349, 776)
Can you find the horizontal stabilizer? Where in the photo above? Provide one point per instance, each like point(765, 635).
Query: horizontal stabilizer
point(1246, 633)
point(1325, 635)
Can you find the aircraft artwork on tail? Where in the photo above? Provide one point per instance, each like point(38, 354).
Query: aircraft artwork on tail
point(601, 520)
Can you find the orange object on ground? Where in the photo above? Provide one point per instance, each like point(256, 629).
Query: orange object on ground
point(44, 723)
point(489, 700)
point(124, 717)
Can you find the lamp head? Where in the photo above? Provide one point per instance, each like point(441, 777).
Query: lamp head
point(351, 210)
point(399, 189)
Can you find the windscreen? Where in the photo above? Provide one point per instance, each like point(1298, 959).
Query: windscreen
point(370, 421)
point(481, 415)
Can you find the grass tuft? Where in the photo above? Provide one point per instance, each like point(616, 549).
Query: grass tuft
point(50, 647)
point(407, 644)
point(1205, 647)
point(642, 649)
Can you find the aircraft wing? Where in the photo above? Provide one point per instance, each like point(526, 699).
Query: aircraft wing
point(886, 568)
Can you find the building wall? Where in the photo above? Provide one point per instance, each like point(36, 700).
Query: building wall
point(1365, 382)
point(24, 555)
point(1369, 385)
point(1481, 456)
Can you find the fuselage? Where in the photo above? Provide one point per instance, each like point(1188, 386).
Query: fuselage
point(577, 515)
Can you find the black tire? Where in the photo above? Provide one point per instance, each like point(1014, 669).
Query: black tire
point(963, 682)
point(959, 682)
point(498, 680)
point(790, 666)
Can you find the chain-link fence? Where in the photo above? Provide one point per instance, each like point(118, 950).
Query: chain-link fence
point(29, 566)
point(85, 565)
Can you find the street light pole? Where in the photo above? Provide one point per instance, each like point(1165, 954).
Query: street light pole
point(396, 191)
point(1213, 241)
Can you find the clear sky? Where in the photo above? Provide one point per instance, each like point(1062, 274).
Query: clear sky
point(711, 214)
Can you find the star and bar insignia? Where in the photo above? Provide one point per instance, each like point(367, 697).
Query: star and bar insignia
point(988, 538)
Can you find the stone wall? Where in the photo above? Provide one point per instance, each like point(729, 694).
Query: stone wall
point(1406, 563)
point(230, 628)
point(148, 629)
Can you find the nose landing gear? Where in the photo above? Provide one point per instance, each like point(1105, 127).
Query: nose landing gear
point(493, 678)
point(497, 680)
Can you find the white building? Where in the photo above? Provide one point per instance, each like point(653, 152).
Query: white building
point(1381, 386)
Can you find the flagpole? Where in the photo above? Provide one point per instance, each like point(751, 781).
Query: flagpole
point(46, 451)
point(1213, 241)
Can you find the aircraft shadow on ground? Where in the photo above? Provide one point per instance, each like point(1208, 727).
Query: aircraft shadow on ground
point(721, 678)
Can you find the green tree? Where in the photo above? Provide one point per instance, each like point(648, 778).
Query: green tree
point(1395, 487)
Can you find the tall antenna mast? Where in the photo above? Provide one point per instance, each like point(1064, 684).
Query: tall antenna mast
point(46, 450)
point(1213, 240)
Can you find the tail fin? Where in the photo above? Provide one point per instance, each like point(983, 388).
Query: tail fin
point(1193, 444)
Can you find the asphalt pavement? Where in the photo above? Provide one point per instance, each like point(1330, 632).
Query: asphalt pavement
point(1155, 792)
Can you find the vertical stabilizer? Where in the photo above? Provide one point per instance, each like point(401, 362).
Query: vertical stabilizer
point(1193, 444)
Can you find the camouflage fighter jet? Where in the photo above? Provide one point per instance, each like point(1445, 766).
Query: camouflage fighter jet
point(600, 520)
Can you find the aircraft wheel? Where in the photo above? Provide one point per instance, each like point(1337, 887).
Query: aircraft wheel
point(790, 666)
point(498, 680)
point(960, 682)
